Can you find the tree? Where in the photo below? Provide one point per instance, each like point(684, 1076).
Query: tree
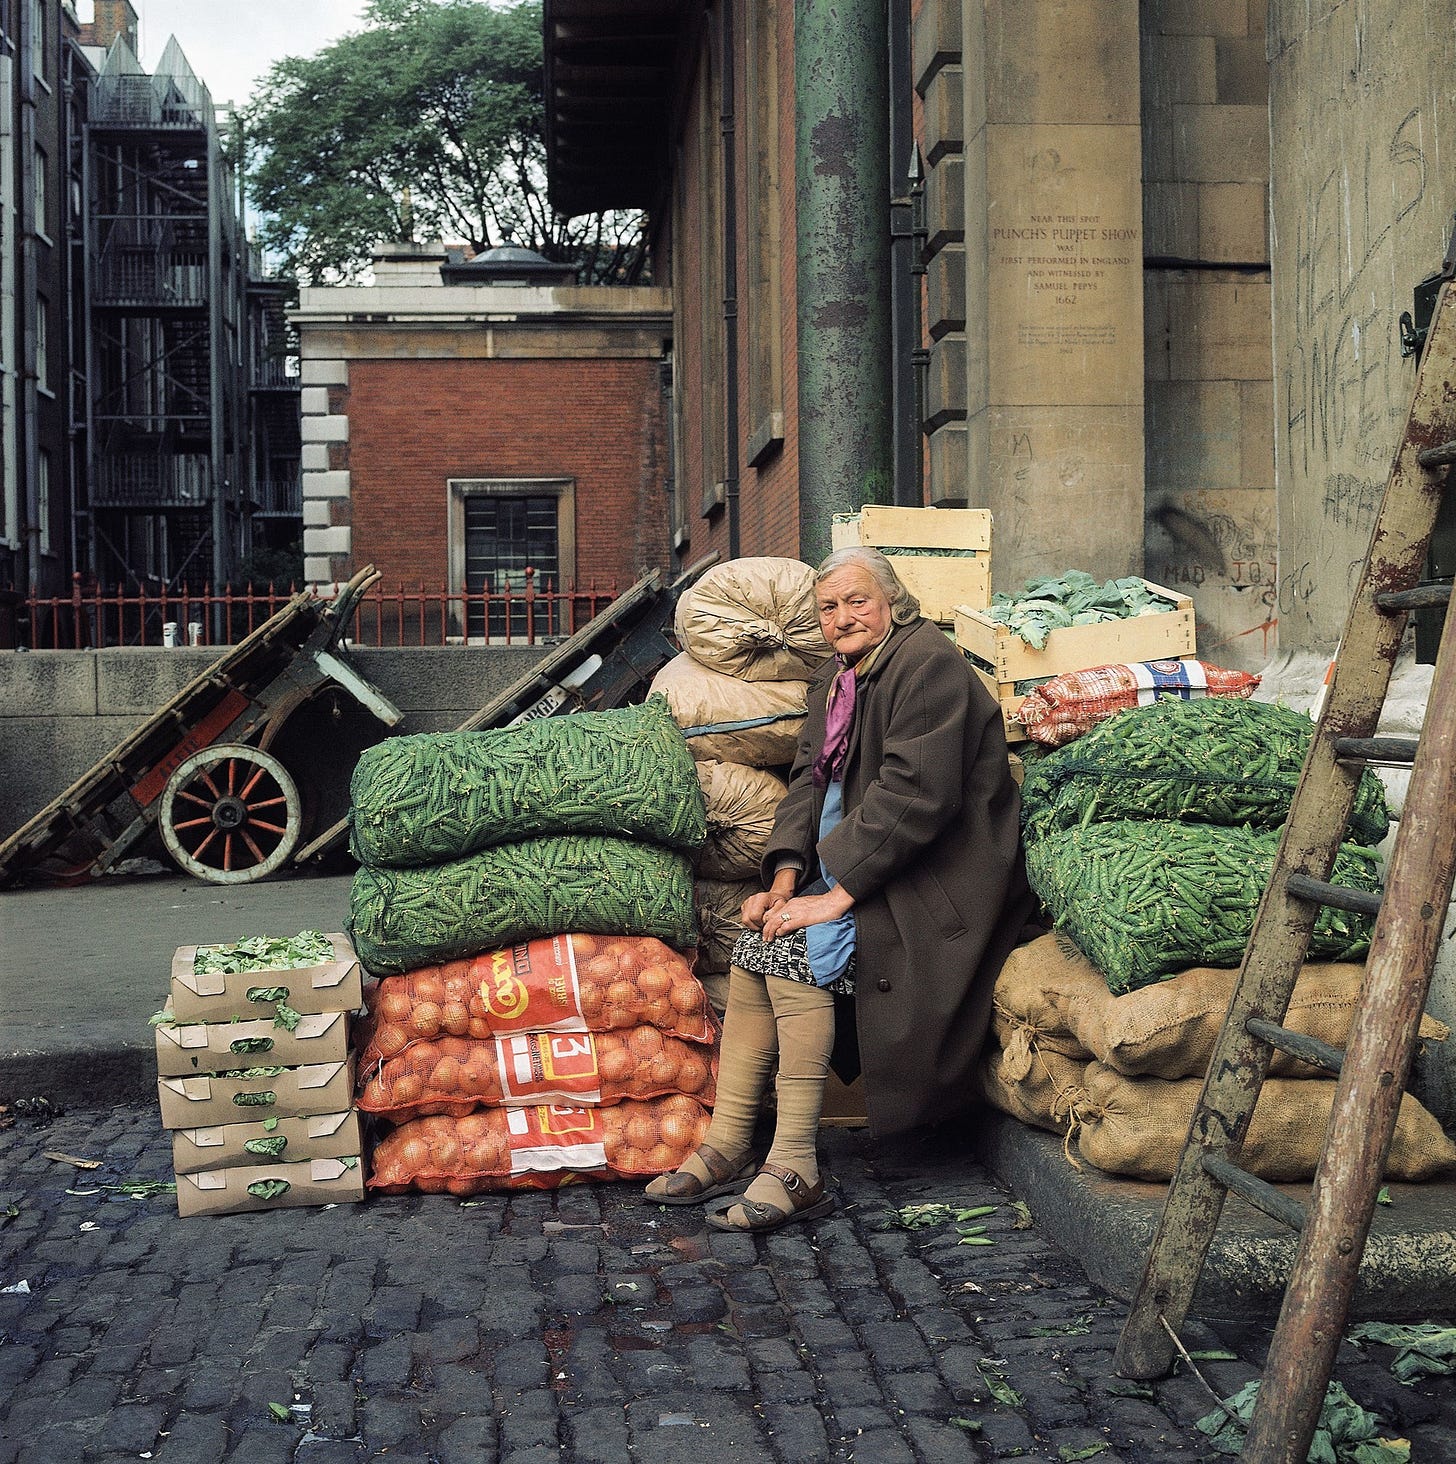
point(427, 123)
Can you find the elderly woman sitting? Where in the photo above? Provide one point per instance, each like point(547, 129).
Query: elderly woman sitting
point(895, 889)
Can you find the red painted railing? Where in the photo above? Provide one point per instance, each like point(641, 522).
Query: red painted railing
point(93, 615)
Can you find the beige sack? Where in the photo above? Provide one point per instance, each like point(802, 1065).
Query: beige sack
point(701, 697)
point(756, 619)
point(1038, 1087)
point(717, 903)
point(1166, 1030)
point(1137, 1126)
point(741, 803)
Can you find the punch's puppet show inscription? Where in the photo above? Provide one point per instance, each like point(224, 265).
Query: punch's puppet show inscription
point(1070, 262)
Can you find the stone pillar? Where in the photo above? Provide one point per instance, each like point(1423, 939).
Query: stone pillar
point(842, 200)
point(1054, 283)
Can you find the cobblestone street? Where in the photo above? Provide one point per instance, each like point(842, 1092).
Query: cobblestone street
point(579, 1326)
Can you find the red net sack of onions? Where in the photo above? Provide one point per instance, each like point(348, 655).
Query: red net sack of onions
point(537, 1148)
point(457, 1074)
point(561, 983)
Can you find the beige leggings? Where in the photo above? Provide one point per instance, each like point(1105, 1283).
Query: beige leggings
point(771, 1018)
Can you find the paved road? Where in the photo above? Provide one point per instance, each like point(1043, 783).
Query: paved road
point(580, 1326)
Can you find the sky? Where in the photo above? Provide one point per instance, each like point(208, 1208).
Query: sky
point(229, 45)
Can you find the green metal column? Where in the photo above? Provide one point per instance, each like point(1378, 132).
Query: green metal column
point(842, 192)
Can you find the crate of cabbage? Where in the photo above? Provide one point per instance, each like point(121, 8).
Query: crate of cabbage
point(1069, 623)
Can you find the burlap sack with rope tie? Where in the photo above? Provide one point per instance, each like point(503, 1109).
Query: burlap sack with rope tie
point(741, 803)
point(1050, 989)
point(1137, 1127)
point(756, 619)
point(732, 720)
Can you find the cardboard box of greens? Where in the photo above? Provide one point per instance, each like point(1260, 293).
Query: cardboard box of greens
point(271, 1186)
point(184, 1048)
point(256, 1093)
point(219, 996)
point(268, 1141)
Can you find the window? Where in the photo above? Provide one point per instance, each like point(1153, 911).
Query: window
point(36, 16)
point(42, 344)
point(42, 218)
point(43, 500)
point(498, 529)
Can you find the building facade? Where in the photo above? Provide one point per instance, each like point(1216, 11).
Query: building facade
point(1139, 345)
point(148, 388)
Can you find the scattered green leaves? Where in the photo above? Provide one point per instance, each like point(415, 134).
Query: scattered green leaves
point(270, 1123)
point(1345, 1434)
point(1075, 598)
point(1214, 1354)
point(1424, 1349)
point(1127, 1388)
point(1000, 1389)
point(1070, 1454)
point(1077, 1328)
point(921, 1217)
point(1382, 1196)
point(969, 1425)
point(280, 1411)
point(265, 953)
point(1022, 1211)
point(9, 1213)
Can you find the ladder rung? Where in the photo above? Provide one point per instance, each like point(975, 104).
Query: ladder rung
point(1257, 1192)
point(1423, 597)
point(1438, 457)
point(1296, 1044)
point(1338, 897)
point(1377, 749)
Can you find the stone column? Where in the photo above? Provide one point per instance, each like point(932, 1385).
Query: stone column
point(1054, 283)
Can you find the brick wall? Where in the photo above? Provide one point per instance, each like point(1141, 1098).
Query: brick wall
point(413, 425)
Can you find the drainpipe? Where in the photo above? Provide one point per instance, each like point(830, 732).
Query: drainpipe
point(842, 255)
point(728, 120)
point(904, 283)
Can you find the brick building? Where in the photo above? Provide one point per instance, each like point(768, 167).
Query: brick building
point(463, 420)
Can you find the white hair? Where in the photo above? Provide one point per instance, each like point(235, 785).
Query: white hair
point(904, 607)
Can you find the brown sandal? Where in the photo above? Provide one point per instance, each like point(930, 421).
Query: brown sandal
point(809, 1201)
point(726, 1176)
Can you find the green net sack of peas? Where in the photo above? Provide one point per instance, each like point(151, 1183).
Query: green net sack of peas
point(1146, 900)
point(403, 918)
point(436, 796)
point(1212, 761)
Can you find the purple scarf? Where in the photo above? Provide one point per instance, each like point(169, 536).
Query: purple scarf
point(839, 718)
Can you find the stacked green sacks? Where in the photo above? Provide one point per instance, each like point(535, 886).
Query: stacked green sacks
point(1150, 840)
point(473, 841)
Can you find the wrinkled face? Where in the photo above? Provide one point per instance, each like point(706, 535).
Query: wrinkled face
point(854, 613)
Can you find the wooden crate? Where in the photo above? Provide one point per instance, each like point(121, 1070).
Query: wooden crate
point(1001, 658)
point(938, 582)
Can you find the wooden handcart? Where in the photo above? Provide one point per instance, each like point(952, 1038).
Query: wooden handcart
point(199, 770)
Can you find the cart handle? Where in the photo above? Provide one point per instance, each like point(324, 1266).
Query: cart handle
point(341, 610)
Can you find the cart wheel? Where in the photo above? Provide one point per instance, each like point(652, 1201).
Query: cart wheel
point(230, 814)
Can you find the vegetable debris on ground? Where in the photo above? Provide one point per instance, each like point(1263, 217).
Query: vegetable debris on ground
point(1345, 1434)
point(1423, 1349)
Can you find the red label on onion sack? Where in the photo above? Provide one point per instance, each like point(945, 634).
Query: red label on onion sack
point(555, 1136)
point(538, 1067)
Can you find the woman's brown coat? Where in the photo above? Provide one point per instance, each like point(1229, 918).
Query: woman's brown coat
point(930, 849)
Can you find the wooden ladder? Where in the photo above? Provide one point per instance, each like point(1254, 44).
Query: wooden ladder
point(1373, 1069)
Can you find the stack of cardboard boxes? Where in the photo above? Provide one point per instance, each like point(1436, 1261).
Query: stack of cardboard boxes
point(256, 1080)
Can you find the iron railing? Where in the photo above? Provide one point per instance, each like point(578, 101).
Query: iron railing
point(93, 616)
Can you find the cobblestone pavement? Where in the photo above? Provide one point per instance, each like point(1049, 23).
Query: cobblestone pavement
point(580, 1326)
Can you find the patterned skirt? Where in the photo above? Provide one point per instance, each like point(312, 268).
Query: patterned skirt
point(787, 956)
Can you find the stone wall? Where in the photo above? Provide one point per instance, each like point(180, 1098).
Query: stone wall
point(64, 710)
point(1363, 122)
